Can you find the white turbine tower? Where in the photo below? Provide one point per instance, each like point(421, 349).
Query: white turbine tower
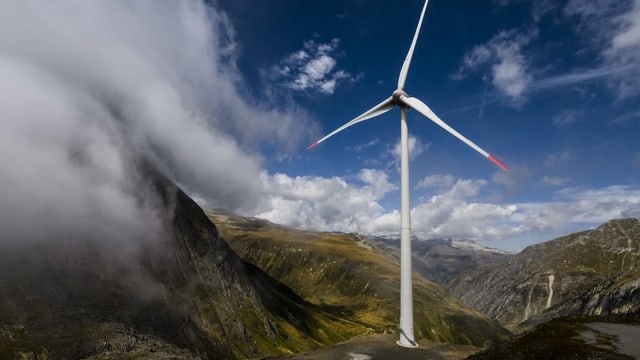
point(401, 99)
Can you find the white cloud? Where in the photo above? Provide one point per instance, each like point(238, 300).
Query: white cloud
point(63, 177)
point(605, 72)
point(416, 148)
point(575, 206)
point(364, 146)
point(588, 7)
point(436, 181)
point(510, 76)
point(330, 204)
point(312, 69)
point(625, 50)
point(504, 56)
point(554, 181)
point(87, 86)
point(629, 36)
point(333, 204)
point(456, 211)
point(473, 59)
point(624, 118)
point(319, 68)
point(539, 8)
point(453, 214)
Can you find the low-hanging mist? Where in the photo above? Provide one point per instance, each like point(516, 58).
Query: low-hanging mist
point(90, 86)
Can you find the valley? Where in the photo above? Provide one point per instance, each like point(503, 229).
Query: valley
point(220, 285)
point(463, 268)
point(353, 278)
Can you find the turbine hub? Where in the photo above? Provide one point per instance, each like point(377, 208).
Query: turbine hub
point(397, 97)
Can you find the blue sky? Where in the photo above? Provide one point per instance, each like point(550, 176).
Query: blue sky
point(225, 96)
point(550, 88)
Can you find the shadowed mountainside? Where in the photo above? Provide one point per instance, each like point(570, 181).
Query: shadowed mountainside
point(594, 272)
point(183, 295)
point(346, 275)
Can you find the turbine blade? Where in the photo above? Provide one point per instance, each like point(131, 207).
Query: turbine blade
point(423, 109)
point(379, 109)
point(407, 60)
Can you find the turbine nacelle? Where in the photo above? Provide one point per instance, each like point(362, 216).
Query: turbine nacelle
point(398, 96)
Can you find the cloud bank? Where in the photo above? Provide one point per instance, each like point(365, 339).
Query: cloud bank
point(87, 84)
point(454, 209)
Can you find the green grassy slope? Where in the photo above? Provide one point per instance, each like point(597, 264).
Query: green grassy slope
point(349, 278)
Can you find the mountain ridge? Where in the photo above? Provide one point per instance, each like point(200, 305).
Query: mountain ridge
point(593, 272)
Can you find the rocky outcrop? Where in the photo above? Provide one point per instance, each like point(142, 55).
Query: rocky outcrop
point(592, 272)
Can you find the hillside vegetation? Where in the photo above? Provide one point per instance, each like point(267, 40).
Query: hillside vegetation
point(347, 276)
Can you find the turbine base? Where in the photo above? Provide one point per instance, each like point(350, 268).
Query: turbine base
point(407, 345)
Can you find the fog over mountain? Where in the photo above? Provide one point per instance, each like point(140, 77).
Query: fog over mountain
point(86, 84)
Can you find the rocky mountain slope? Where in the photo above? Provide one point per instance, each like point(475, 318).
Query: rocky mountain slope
point(442, 260)
point(594, 272)
point(184, 295)
point(349, 277)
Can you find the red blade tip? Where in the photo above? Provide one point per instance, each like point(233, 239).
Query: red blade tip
point(499, 163)
point(312, 145)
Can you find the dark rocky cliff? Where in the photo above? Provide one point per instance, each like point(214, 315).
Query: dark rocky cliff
point(185, 294)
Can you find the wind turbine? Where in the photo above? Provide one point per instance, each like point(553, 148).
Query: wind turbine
point(401, 99)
